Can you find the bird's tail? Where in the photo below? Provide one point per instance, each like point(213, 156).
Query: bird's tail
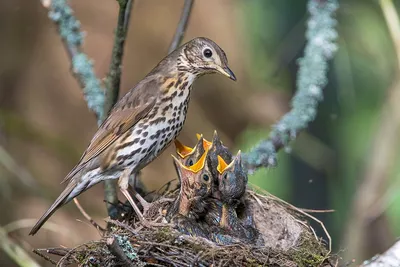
point(71, 191)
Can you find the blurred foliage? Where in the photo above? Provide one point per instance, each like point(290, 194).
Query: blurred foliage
point(362, 71)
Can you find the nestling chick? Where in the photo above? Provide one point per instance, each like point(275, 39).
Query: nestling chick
point(232, 182)
point(187, 155)
point(217, 149)
point(196, 184)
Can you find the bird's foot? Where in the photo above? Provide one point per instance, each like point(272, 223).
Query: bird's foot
point(145, 205)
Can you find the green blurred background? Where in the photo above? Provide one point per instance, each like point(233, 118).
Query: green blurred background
point(45, 125)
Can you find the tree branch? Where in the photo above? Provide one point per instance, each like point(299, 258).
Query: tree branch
point(311, 79)
point(123, 250)
point(180, 30)
point(113, 83)
point(113, 80)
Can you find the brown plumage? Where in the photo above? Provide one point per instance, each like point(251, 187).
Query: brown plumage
point(143, 122)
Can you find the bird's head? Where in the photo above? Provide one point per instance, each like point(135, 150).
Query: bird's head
point(232, 179)
point(196, 180)
point(190, 155)
point(201, 56)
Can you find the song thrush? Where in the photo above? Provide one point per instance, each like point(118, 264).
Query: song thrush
point(143, 122)
point(195, 188)
point(232, 183)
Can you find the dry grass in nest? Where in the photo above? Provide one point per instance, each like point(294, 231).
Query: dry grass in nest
point(289, 241)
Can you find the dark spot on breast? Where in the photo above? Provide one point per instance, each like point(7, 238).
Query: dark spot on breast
point(172, 96)
point(139, 131)
point(158, 120)
point(152, 147)
point(170, 85)
point(142, 141)
point(145, 134)
point(166, 108)
point(130, 155)
point(126, 144)
point(184, 85)
point(156, 135)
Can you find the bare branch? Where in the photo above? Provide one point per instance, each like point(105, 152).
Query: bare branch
point(180, 30)
point(87, 216)
point(113, 83)
point(113, 80)
point(121, 253)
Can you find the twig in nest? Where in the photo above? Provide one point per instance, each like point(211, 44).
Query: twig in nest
point(47, 258)
point(316, 211)
point(118, 252)
point(87, 216)
point(123, 225)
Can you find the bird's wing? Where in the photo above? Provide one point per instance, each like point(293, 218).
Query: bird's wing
point(130, 109)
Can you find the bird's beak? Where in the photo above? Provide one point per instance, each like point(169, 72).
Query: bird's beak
point(227, 72)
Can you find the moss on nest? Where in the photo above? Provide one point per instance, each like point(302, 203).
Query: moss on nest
point(289, 241)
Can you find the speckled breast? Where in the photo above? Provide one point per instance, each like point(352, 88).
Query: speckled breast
point(147, 139)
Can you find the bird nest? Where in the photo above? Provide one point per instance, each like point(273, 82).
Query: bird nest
point(213, 219)
point(288, 241)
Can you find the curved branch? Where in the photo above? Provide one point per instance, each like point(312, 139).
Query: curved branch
point(311, 79)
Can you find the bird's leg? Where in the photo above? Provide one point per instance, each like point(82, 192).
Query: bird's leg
point(123, 183)
point(143, 202)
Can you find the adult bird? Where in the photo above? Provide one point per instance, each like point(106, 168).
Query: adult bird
point(142, 123)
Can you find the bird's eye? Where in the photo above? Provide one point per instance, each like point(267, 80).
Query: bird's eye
point(206, 178)
point(225, 176)
point(190, 162)
point(207, 53)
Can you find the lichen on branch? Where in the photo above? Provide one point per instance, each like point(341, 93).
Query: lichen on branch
point(311, 79)
point(69, 29)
